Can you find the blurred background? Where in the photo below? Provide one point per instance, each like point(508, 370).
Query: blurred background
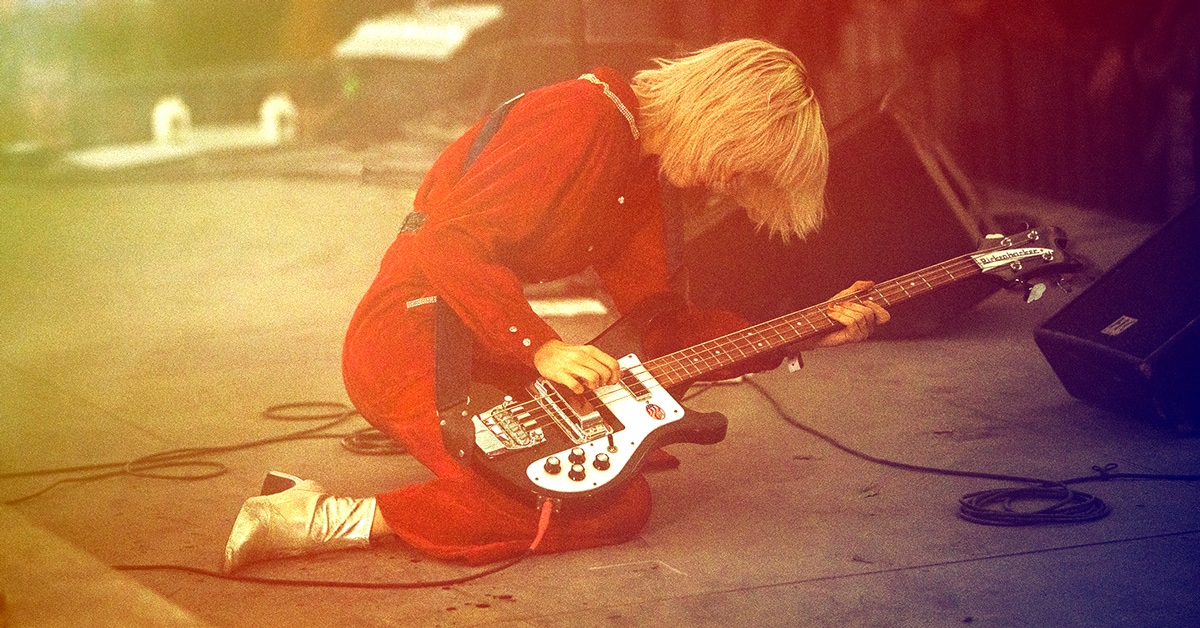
point(1085, 101)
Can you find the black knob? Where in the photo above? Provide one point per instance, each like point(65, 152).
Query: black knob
point(577, 472)
point(553, 465)
point(577, 456)
point(601, 462)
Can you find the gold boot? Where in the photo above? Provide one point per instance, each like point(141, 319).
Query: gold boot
point(294, 517)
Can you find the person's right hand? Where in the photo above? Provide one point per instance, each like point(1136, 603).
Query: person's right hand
point(578, 367)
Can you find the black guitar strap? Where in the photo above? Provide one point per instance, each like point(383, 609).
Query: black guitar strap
point(415, 220)
point(452, 354)
point(453, 343)
point(489, 129)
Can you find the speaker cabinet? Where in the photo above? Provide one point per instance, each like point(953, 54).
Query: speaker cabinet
point(895, 203)
point(1130, 342)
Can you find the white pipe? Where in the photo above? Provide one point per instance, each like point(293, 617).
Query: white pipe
point(277, 119)
point(172, 121)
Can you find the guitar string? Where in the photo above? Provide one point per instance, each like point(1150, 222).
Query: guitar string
point(748, 341)
point(788, 323)
point(740, 342)
point(965, 264)
point(671, 365)
point(944, 274)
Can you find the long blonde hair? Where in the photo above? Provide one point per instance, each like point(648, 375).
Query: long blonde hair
point(741, 118)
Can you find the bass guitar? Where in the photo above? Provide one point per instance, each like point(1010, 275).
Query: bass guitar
point(543, 441)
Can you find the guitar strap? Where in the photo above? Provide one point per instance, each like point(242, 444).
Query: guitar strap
point(453, 348)
point(415, 220)
point(453, 343)
point(489, 129)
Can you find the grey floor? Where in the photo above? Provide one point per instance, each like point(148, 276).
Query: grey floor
point(168, 310)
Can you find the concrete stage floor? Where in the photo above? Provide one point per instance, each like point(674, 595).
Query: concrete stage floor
point(168, 309)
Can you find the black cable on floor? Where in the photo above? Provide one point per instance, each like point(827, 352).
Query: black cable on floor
point(371, 442)
point(998, 507)
point(184, 463)
point(334, 584)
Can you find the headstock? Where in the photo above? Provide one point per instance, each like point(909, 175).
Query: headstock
point(1021, 257)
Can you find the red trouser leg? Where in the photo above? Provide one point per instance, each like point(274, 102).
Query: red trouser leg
point(466, 519)
point(388, 370)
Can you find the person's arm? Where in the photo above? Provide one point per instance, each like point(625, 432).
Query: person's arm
point(540, 153)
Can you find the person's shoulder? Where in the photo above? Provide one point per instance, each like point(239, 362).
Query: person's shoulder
point(587, 100)
point(617, 83)
point(612, 86)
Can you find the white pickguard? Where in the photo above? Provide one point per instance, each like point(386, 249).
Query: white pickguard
point(638, 417)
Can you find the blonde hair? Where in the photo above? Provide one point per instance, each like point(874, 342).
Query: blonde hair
point(741, 118)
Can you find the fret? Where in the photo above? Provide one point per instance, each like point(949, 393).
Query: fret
point(783, 340)
point(758, 341)
point(823, 319)
point(790, 336)
point(815, 329)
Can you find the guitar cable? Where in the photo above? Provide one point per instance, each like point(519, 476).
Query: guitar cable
point(998, 507)
point(174, 464)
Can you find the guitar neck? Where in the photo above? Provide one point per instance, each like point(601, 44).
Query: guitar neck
point(694, 362)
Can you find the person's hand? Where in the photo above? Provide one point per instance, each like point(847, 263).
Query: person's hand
point(578, 367)
point(860, 319)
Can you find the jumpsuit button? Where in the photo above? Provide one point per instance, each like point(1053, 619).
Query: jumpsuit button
point(621, 200)
point(527, 342)
point(513, 329)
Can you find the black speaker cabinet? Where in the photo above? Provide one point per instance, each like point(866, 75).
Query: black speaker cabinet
point(1130, 342)
point(895, 203)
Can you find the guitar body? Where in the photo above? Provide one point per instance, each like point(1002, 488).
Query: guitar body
point(543, 441)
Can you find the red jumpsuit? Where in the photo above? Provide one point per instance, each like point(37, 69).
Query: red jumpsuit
point(562, 185)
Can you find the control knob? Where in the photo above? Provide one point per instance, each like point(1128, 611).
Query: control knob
point(577, 472)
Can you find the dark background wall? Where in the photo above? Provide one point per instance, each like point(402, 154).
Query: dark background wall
point(1086, 101)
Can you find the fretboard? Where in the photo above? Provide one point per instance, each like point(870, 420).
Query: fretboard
point(696, 361)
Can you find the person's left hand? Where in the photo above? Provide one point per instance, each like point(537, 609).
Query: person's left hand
point(860, 319)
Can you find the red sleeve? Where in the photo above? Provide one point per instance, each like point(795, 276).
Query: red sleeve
point(547, 152)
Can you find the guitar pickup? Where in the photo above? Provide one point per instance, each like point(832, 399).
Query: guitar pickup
point(576, 416)
point(636, 388)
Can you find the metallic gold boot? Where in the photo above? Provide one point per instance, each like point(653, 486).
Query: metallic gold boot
point(294, 517)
